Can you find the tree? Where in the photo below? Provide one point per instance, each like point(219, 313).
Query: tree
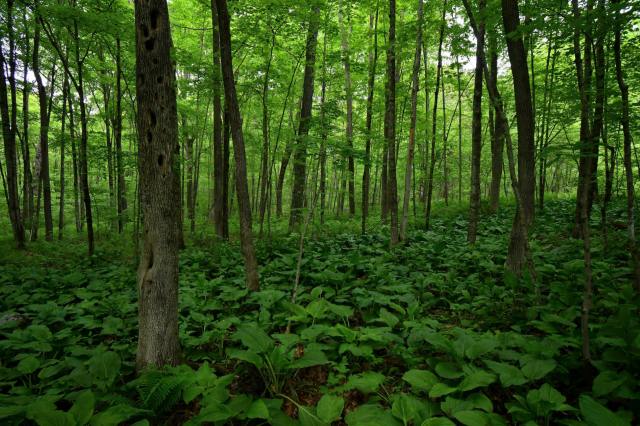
point(415, 86)
point(476, 133)
point(158, 157)
point(390, 126)
point(300, 152)
point(344, 31)
point(9, 128)
point(235, 124)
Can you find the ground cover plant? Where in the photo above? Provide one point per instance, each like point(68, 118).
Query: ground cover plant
point(433, 333)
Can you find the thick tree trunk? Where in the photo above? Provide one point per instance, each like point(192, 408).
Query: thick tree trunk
point(366, 175)
point(628, 168)
point(344, 31)
point(300, 152)
point(415, 86)
point(390, 126)
point(9, 130)
point(158, 156)
point(476, 133)
point(235, 124)
point(432, 161)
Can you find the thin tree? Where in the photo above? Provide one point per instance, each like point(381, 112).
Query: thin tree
point(415, 86)
point(373, 59)
point(390, 126)
point(300, 152)
point(235, 124)
point(158, 157)
point(344, 31)
point(476, 133)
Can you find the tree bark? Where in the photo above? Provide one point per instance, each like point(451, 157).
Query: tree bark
point(264, 160)
point(63, 139)
point(345, 30)
point(235, 124)
point(9, 129)
point(415, 86)
point(432, 162)
point(476, 133)
point(517, 256)
point(497, 137)
point(158, 157)
point(627, 142)
point(300, 151)
point(373, 59)
point(117, 127)
point(390, 126)
point(27, 176)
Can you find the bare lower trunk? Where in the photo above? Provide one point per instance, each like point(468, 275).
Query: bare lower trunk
point(158, 157)
point(390, 126)
point(235, 123)
point(366, 175)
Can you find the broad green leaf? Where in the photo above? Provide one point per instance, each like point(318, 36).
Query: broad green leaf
point(115, 415)
point(329, 408)
point(248, 356)
point(596, 414)
point(420, 379)
point(406, 407)
point(472, 418)
point(311, 357)
point(536, 369)
point(104, 367)
point(509, 374)
point(28, 364)
point(82, 408)
point(477, 379)
point(370, 415)
point(254, 338)
point(367, 382)
point(438, 421)
point(440, 389)
point(448, 370)
point(258, 410)
point(606, 382)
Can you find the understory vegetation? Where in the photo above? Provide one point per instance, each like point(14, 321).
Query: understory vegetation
point(434, 332)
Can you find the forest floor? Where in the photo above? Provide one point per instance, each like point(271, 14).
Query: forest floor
point(431, 333)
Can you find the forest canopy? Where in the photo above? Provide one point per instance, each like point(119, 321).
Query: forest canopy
point(360, 212)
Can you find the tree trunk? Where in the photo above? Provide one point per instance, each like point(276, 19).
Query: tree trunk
point(27, 178)
point(626, 132)
point(63, 137)
point(497, 137)
point(366, 175)
point(300, 152)
point(345, 30)
point(121, 191)
point(390, 126)
point(264, 160)
point(235, 124)
point(324, 129)
point(158, 156)
point(415, 86)
point(432, 162)
point(524, 110)
point(9, 129)
point(476, 133)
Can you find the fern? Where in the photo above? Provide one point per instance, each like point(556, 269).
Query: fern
point(159, 391)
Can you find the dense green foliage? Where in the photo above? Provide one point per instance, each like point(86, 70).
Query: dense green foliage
point(434, 331)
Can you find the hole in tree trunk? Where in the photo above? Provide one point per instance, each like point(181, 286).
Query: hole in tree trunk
point(160, 160)
point(154, 18)
point(150, 44)
point(149, 137)
point(145, 30)
point(152, 118)
point(159, 79)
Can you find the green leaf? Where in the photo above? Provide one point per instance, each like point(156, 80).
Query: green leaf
point(388, 318)
point(28, 364)
point(536, 369)
point(606, 382)
point(258, 410)
point(330, 408)
point(311, 357)
point(367, 382)
point(509, 374)
point(370, 415)
point(406, 407)
point(472, 418)
point(438, 421)
point(104, 368)
point(448, 370)
point(477, 379)
point(440, 389)
point(595, 414)
point(115, 415)
point(420, 379)
point(254, 338)
point(82, 408)
point(247, 356)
